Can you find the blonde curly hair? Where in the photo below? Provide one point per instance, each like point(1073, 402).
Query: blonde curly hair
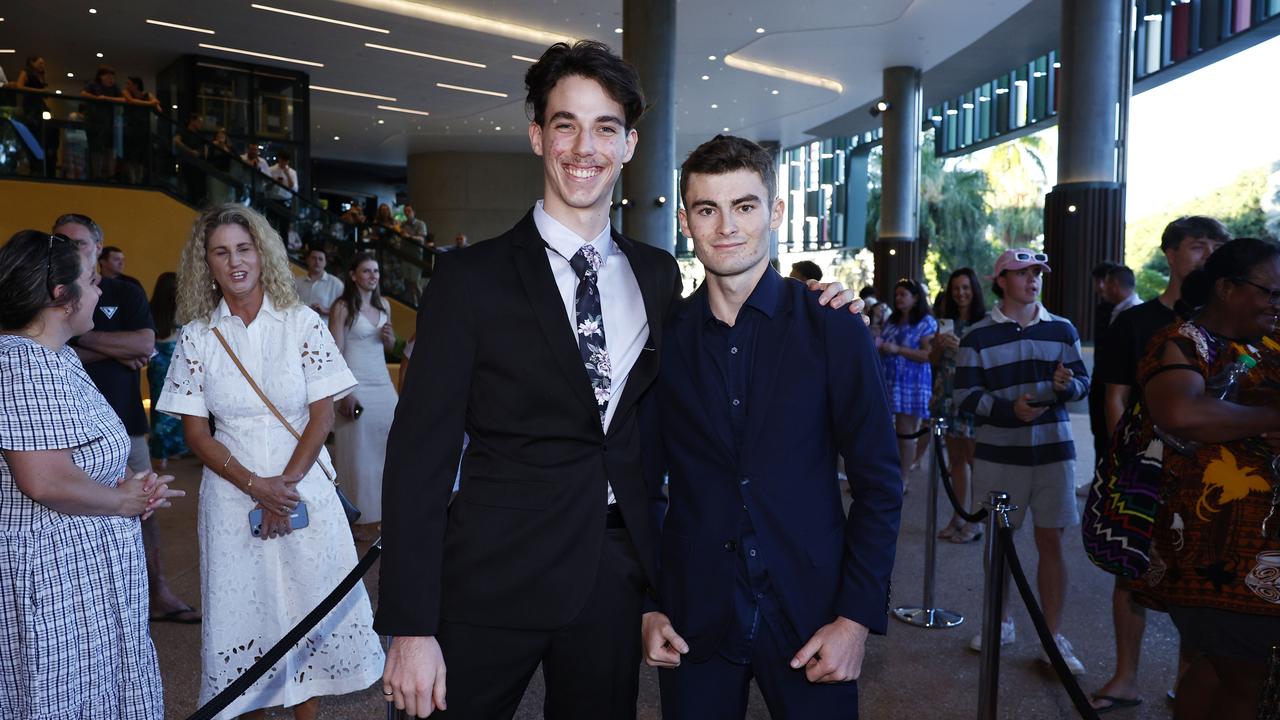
point(198, 296)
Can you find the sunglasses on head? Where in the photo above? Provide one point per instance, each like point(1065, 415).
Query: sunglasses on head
point(1030, 257)
point(48, 261)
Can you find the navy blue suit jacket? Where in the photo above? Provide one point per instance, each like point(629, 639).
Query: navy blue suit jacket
point(815, 392)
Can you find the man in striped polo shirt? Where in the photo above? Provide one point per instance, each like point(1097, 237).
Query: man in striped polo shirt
point(1015, 371)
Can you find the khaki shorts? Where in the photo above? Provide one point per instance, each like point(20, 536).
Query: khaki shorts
point(1048, 490)
point(139, 454)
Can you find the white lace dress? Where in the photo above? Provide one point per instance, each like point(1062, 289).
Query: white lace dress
point(360, 445)
point(255, 590)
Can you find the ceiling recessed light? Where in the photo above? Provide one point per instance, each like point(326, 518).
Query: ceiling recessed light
point(759, 30)
point(706, 77)
point(336, 137)
point(99, 54)
point(618, 30)
point(175, 107)
point(71, 75)
point(734, 61)
point(773, 92)
point(381, 121)
point(7, 51)
point(57, 92)
point(428, 56)
point(714, 106)
point(466, 21)
point(318, 18)
point(265, 56)
point(353, 93)
point(726, 129)
point(524, 58)
point(498, 127)
point(176, 26)
point(711, 57)
point(403, 110)
point(93, 11)
point(463, 88)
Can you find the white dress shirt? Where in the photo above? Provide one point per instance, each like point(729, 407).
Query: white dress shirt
point(320, 293)
point(626, 326)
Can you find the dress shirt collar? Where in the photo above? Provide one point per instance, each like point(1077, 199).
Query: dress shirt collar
point(1042, 315)
point(268, 307)
point(565, 241)
point(764, 297)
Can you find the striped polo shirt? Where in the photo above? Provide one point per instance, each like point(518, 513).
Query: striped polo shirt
point(998, 362)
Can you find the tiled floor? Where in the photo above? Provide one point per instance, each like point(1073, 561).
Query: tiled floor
point(910, 673)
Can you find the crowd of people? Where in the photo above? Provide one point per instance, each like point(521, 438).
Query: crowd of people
point(635, 469)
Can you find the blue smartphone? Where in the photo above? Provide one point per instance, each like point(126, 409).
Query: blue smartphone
point(298, 519)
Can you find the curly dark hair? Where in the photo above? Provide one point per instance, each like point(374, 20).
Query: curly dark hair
point(32, 265)
point(588, 59)
point(918, 310)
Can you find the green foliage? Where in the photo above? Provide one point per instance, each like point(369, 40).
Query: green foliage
point(1238, 205)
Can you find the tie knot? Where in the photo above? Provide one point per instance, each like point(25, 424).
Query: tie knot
point(586, 261)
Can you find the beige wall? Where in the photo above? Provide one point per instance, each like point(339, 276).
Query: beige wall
point(480, 194)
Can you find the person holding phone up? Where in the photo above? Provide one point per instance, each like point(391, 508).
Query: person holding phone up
point(1023, 439)
point(251, 355)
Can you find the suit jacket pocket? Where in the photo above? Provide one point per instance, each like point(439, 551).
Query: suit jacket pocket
point(507, 493)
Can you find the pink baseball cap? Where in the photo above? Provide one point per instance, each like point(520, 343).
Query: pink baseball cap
point(1019, 258)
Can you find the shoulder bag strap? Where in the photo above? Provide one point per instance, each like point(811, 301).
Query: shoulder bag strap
point(265, 401)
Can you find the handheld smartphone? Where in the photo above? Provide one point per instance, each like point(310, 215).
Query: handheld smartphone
point(298, 519)
point(946, 325)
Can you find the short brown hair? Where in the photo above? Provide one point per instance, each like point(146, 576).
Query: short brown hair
point(725, 154)
point(587, 59)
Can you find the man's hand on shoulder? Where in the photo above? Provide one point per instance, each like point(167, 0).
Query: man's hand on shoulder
point(662, 645)
point(834, 653)
point(836, 295)
point(414, 676)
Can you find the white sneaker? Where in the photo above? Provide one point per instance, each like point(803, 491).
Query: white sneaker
point(1068, 655)
point(1007, 636)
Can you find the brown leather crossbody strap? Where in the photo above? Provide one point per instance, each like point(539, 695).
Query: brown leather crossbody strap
point(265, 401)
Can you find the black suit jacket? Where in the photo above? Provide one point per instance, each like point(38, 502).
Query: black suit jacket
point(520, 545)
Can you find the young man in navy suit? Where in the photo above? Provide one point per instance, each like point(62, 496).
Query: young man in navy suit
point(762, 575)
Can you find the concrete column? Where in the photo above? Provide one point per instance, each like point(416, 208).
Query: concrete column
point(1084, 214)
point(897, 254)
point(648, 181)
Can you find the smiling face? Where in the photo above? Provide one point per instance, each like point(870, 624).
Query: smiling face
point(583, 145)
point(1021, 286)
point(729, 218)
point(366, 275)
point(234, 261)
point(961, 292)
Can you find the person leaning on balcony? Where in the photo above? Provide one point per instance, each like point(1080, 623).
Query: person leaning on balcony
point(1215, 560)
point(73, 618)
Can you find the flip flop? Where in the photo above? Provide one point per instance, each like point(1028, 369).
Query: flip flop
point(181, 616)
point(1116, 703)
point(966, 535)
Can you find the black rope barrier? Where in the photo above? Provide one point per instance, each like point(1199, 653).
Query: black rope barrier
point(1078, 698)
point(277, 651)
point(945, 473)
point(924, 430)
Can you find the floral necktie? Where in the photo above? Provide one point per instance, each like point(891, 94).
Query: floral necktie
point(590, 324)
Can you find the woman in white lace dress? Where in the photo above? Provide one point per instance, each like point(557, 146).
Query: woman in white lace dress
point(361, 325)
point(234, 277)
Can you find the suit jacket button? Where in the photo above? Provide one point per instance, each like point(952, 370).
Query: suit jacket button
point(731, 546)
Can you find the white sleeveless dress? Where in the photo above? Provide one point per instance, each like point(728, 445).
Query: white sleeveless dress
point(360, 445)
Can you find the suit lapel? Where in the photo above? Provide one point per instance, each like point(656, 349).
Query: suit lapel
point(544, 298)
point(645, 368)
point(688, 335)
point(770, 350)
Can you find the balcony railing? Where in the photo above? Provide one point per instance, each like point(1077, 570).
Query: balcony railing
point(62, 138)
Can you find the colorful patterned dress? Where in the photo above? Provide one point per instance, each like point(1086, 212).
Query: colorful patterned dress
point(166, 438)
point(1208, 550)
point(908, 383)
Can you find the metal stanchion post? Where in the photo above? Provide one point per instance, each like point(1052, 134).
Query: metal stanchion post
point(992, 605)
point(928, 616)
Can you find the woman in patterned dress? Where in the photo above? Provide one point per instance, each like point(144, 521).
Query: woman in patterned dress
point(904, 353)
point(963, 305)
point(74, 641)
point(234, 277)
point(1215, 561)
point(166, 431)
